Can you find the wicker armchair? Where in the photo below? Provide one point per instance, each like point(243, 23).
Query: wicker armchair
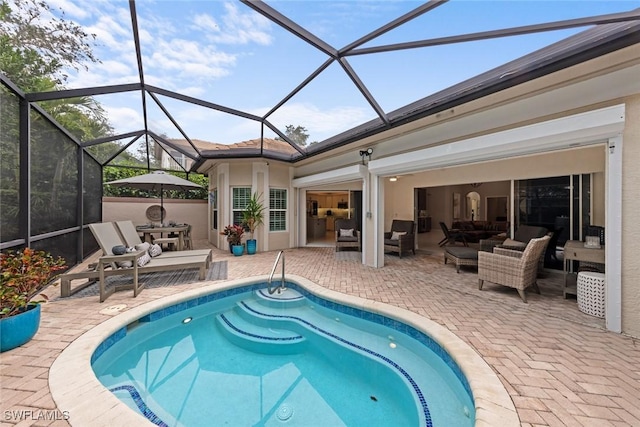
point(511, 268)
point(347, 239)
point(403, 230)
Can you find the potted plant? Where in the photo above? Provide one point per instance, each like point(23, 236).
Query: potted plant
point(23, 275)
point(234, 235)
point(252, 217)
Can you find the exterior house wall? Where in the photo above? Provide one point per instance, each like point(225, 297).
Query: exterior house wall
point(260, 176)
point(192, 212)
point(280, 178)
point(630, 208)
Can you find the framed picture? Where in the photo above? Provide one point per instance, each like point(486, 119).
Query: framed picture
point(456, 205)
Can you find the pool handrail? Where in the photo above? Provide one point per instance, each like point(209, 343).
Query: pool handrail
point(273, 270)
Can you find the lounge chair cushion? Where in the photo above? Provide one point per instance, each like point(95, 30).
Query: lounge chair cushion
point(514, 243)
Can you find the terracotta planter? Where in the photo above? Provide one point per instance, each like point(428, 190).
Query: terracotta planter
point(17, 330)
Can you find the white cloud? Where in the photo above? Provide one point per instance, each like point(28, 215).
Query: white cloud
point(124, 119)
point(321, 123)
point(235, 27)
point(70, 8)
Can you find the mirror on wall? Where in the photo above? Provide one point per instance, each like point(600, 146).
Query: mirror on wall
point(473, 206)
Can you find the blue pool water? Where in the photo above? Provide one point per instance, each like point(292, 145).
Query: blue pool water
point(246, 358)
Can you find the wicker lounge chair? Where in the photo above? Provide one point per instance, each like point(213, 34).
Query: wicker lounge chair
point(512, 268)
point(347, 234)
point(403, 231)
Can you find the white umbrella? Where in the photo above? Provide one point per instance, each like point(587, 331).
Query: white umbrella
point(158, 180)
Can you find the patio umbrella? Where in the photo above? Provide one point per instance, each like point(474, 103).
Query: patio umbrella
point(156, 181)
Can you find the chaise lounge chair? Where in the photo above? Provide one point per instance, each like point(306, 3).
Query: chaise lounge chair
point(108, 237)
point(132, 239)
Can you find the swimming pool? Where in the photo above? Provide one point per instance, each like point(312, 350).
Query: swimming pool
point(316, 363)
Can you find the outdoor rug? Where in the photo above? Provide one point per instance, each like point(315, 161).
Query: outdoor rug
point(217, 271)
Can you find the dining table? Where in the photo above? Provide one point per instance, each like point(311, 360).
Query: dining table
point(149, 230)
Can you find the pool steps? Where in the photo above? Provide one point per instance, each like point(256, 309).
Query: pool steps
point(260, 334)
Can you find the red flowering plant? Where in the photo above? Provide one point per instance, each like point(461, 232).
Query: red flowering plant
point(23, 275)
point(234, 233)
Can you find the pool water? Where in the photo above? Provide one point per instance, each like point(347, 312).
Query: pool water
point(283, 360)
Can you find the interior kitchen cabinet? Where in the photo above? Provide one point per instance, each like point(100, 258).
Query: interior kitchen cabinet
point(316, 228)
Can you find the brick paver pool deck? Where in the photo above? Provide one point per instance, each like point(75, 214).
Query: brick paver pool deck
point(560, 366)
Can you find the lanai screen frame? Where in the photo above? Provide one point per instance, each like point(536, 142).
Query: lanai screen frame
point(613, 32)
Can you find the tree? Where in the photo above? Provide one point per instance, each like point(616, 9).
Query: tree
point(36, 47)
point(48, 43)
point(297, 134)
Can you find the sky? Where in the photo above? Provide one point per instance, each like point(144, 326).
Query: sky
point(225, 53)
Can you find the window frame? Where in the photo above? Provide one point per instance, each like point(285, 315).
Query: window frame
point(273, 210)
point(240, 206)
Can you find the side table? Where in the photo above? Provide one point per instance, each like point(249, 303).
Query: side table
point(574, 250)
point(109, 259)
point(591, 293)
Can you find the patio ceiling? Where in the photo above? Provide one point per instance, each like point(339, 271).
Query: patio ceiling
point(350, 85)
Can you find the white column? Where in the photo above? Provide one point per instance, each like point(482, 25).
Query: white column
point(613, 236)
point(376, 217)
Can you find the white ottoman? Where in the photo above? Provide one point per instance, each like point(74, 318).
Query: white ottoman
point(591, 293)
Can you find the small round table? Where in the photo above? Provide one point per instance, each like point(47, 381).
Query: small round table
point(591, 293)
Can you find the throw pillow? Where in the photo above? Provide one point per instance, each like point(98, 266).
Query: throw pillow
point(144, 259)
point(119, 250)
point(155, 250)
point(395, 235)
point(346, 232)
point(124, 264)
point(143, 246)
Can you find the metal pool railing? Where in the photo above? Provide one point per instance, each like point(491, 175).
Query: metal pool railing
point(273, 270)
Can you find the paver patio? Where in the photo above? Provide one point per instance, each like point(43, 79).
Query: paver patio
point(559, 365)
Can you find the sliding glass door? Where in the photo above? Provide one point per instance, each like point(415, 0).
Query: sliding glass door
point(562, 204)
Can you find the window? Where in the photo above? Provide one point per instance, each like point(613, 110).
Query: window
point(213, 202)
point(277, 209)
point(240, 198)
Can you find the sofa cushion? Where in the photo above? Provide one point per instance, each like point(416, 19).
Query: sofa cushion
point(390, 242)
point(513, 243)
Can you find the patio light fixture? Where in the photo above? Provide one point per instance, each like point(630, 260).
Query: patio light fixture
point(364, 153)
